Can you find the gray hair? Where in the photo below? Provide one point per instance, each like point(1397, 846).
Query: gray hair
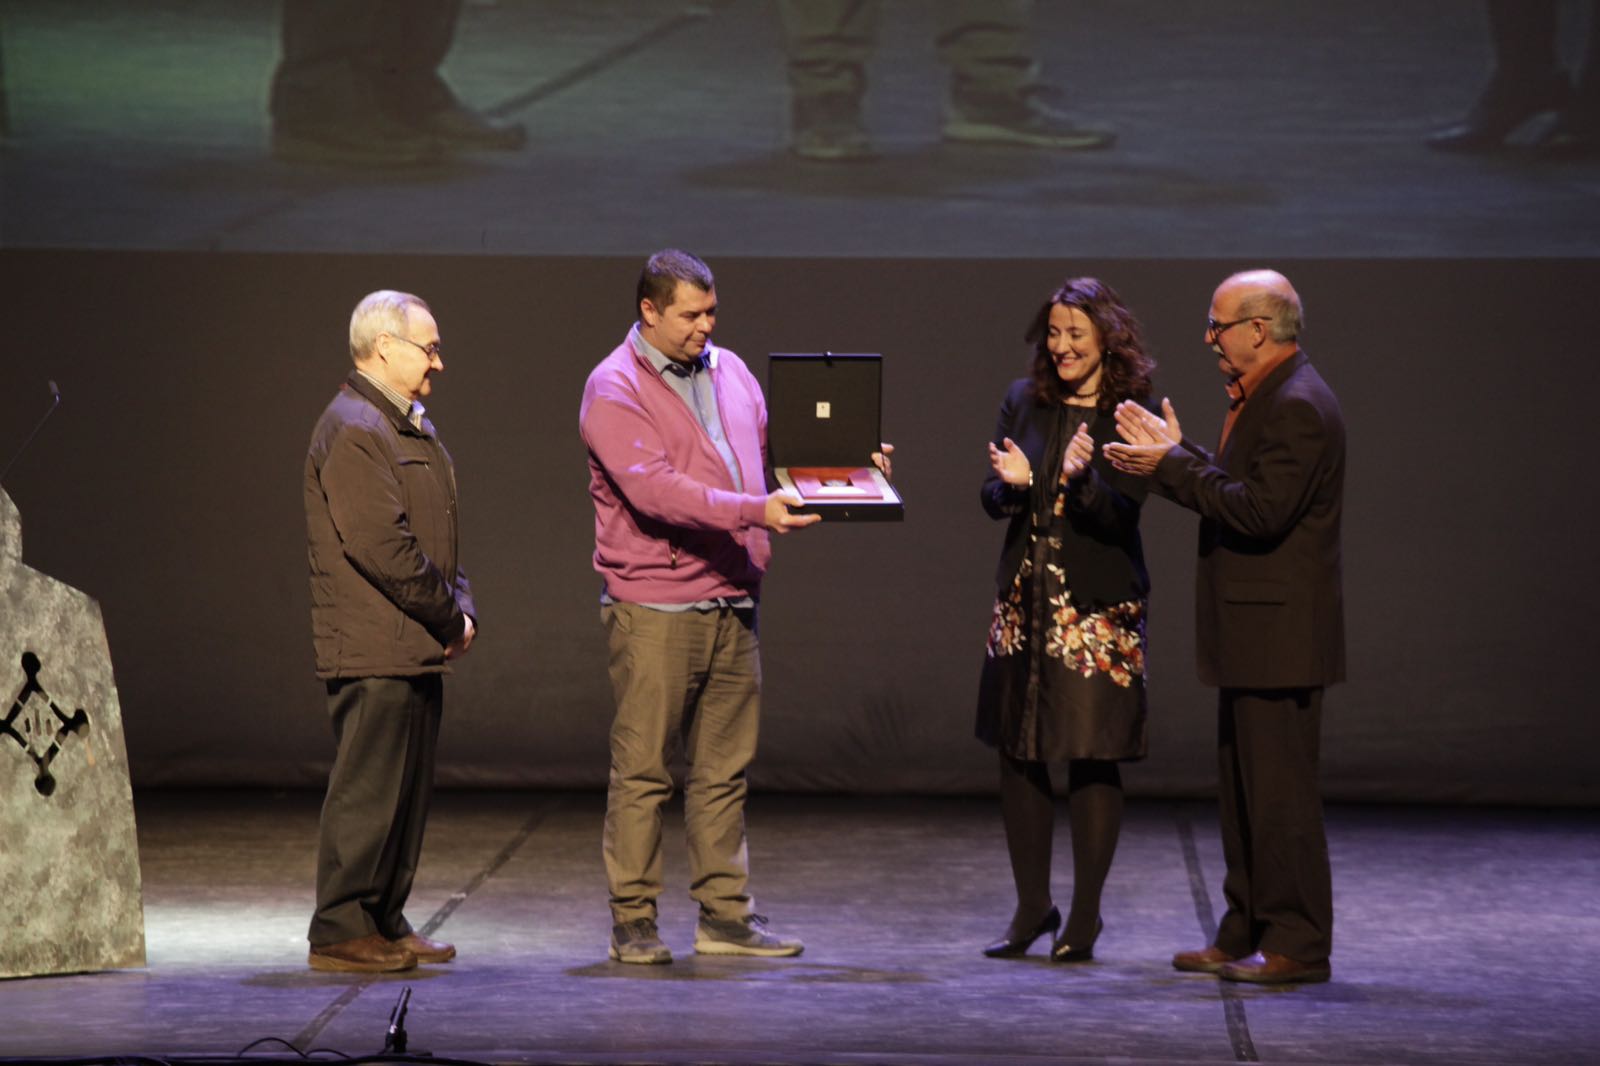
point(378, 312)
point(1273, 298)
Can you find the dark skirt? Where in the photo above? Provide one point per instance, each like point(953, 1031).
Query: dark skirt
point(1062, 682)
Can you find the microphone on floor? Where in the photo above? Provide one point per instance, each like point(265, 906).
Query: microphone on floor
point(395, 1039)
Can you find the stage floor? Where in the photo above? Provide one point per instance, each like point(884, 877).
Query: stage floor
point(1463, 936)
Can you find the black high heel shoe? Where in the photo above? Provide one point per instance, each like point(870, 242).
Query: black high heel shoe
point(1061, 951)
point(1501, 111)
point(1011, 947)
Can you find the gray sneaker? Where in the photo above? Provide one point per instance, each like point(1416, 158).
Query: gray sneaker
point(827, 127)
point(746, 936)
point(638, 941)
point(1022, 120)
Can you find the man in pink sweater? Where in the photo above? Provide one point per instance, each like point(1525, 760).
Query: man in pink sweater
point(677, 433)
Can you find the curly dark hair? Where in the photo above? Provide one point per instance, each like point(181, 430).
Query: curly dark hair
point(1126, 369)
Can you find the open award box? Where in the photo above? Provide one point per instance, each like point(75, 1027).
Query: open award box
point(823, 415)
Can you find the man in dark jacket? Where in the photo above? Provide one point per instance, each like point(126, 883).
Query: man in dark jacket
point(1270, 618)
point(390, 605)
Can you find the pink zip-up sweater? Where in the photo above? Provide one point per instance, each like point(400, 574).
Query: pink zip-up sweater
point(669, 526)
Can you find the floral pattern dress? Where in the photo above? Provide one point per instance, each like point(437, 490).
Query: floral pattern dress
point(1061, 681)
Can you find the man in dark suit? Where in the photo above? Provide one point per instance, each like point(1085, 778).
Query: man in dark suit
point(1270, 618)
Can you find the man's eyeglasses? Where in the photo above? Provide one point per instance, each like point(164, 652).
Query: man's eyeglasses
point(432, 351)
point(1217, 329)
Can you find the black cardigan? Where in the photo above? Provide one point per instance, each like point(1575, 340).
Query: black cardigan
point(1103, 557)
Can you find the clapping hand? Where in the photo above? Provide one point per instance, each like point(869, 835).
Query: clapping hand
point(1148, 437)
point(1080, 451)
point(1010, 464)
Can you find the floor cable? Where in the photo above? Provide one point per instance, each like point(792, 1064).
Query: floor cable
point(1244, 1048)
point(310, 1033)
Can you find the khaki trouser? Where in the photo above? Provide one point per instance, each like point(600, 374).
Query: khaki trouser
point(987, 44)
point(694, 678)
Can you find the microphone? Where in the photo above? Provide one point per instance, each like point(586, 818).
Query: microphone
point(40, 425)
point(395, 1039)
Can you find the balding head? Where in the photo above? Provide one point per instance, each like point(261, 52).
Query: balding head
point(1266, 294)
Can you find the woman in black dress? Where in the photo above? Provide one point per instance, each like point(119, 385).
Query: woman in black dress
point(1063, 677)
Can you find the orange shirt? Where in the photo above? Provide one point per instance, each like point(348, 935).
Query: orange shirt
point(1243, 387)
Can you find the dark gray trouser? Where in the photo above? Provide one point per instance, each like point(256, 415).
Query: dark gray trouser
point(693, 678)
point(987, 45)
point(1278, 886)
point(1526, 38)
point(346, 61)
point(376, 809)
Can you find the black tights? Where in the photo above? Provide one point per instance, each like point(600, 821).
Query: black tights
point(1094, 811)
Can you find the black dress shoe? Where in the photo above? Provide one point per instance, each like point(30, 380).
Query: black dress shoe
point(1061, 951)
point(1571, 136)
point(1011, 947)
point(461, 127)
point(1503, 108)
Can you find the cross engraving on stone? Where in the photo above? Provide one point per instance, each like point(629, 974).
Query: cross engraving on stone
point(25, 724)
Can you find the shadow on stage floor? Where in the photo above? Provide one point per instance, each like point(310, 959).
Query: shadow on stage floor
point(1462, 936)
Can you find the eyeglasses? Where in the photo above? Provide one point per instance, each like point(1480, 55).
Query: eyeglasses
point(1217, 329)
point(432, 351)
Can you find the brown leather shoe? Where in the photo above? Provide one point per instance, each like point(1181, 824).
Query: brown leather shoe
point(424, 949)
point(367, 954)
point(1270, 968)
point(1206, 960)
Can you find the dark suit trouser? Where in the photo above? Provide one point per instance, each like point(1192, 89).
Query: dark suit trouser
point(1526, 39)
point(1278, 885)
point(346, 60)
point(376, 809)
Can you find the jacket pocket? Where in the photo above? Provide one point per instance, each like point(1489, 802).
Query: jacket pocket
point(427, 506)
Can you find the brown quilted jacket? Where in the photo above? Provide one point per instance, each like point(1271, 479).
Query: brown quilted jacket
point(387, 589)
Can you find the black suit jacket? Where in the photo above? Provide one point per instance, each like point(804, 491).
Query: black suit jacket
point(1269, 605)
point(1104, 558)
